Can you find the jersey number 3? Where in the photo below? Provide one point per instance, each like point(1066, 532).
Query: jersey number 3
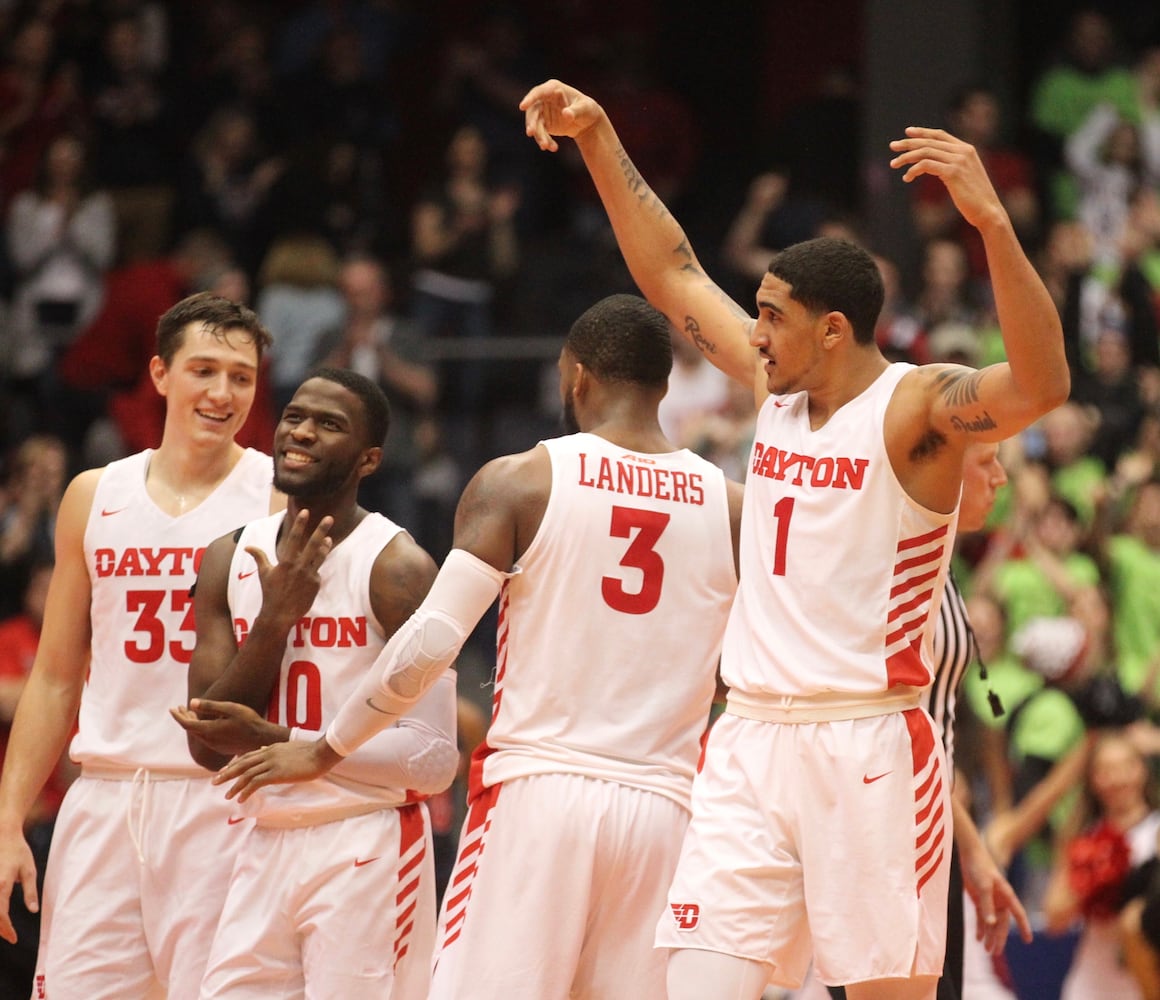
point(641, 555)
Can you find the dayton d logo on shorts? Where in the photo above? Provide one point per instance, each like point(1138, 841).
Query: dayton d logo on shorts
point(686, 915)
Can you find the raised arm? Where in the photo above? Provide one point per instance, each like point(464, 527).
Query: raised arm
point(1001, 400)
point(654, 245)
point(48, 706)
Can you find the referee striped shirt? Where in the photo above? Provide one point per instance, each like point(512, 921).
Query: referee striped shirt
point(954, 650)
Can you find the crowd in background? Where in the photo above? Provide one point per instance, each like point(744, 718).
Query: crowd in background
point(363, 181)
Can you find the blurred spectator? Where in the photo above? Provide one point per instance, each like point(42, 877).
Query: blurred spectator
point(379, 29)
point(1035, 565)
point(382, 345)
point(35, 484)
point(1076, 474)
point(486, 69)
point(974, 116)
point(107, 391)
point(226, 186)
point(464, 244)
point(1089, 72)
point(696, 389)
point(945, 294)
point(340, 94)
point(723, 435)
point(1111, 388)
point(1111, 158)
point(1116, 830)
point(39, 99)
point(61, 236)
point(436, 486)
point(341, 191)
point(1133, 561)
point(239, 74)
point(134, 148)
point(298, 301)
point(898, 330)
point(19, 637)
point(804, 140)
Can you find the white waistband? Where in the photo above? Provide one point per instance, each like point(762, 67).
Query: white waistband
point(822, 707)
point(108, 772)
point(316, 817)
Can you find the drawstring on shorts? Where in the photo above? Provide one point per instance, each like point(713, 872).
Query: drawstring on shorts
point(137, 833)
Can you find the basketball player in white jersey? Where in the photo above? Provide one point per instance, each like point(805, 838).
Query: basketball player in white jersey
point(333, 890)
point(612, 554)
point(821, 819)
point(122, 915)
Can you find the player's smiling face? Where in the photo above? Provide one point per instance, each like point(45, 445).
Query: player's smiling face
point(787, 337)
point(319, 442)
point(211, 381)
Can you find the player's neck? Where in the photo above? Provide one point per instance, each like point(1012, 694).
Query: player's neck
point(850, 377)
point(178, 479)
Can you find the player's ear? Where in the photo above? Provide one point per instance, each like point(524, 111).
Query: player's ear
point(837, 328)
point(581, 380)
point(369, 462)
point(159, 372)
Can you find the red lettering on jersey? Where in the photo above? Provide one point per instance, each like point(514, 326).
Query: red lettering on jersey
point(687, 915)
point(166, 561)
point(104, 562)
point(625, 482)
point(584, 479)
point(129, 563)
point(635, 479)
point(327, 632)
point(850, 473)
point(241, 630)
point(352, 632)
point(662, 478)
point(823, 471)
point(604, 477)
point(834, 472)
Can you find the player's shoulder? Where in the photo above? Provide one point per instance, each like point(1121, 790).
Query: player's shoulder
point(79, 494)
point(514, 474)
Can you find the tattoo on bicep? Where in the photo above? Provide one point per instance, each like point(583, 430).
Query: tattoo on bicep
point(959, 387)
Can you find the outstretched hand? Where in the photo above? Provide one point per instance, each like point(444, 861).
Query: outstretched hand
point(290, 585)
point(554, 108)
point(957, 164)
point(282, 763)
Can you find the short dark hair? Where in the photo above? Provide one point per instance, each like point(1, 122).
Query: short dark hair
point(376, 408)
point(221, 317)
point(832, 275)
point(623, 339)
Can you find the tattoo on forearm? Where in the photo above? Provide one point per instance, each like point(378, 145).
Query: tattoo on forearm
point(639, 186)
point(693, 332)
point(958, 387)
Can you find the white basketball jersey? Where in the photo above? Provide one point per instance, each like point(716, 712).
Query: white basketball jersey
point(328, 653)
point(842, 573)
point(142, 563)
point(610, 628)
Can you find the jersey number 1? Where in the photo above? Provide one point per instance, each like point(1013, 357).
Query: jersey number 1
point(641, 555)
point(782, 511)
